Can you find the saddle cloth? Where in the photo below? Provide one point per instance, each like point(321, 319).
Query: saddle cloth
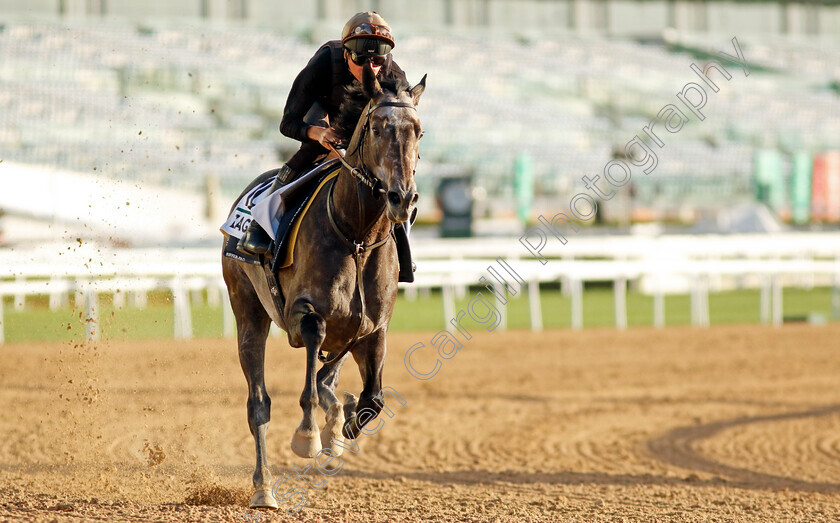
point(278, 213)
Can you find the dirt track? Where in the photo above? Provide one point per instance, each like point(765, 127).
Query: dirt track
point(737, 423)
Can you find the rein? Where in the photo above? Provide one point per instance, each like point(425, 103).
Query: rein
point(357, 249)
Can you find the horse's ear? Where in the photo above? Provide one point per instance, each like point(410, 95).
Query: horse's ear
point(418, 89)
point(370, 84)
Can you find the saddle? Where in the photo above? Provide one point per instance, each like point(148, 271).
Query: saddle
point(296, 208)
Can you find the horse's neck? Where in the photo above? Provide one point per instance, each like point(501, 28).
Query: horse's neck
point(347, 197)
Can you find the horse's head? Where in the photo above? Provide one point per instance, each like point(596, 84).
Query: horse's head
point(390, 131)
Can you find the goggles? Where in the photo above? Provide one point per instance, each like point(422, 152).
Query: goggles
point(368, 46)
point(363, 59)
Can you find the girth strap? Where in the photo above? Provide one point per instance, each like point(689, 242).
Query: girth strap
point(273, 287)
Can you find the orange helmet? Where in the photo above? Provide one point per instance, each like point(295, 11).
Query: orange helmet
point(367, 34)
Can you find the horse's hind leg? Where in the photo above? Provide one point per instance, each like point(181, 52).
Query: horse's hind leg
point(253, 323)
point(327, 381)
point(311, 328)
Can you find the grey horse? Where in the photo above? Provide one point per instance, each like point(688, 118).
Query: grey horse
point(338, 296)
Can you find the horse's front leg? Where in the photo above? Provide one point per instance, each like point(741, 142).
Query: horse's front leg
point(331, 436)
point(369, 354)
point(311, 328)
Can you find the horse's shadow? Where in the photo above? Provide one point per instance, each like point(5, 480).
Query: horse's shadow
point(675, 447)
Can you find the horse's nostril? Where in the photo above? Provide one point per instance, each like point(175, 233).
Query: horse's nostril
point(394, 198)
point(415, 198)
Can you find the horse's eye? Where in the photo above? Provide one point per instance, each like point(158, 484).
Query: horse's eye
point(375, 130)
point(421, 134)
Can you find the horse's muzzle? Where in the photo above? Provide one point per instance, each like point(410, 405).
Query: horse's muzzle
point(401, 203)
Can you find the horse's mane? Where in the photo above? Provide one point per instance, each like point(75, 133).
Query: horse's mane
point(355, 101)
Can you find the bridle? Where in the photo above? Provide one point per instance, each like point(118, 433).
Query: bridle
point(357, 249)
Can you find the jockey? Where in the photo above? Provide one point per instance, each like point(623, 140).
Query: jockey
point(316, 96)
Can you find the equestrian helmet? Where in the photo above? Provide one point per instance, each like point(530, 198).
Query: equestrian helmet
point(367, 34)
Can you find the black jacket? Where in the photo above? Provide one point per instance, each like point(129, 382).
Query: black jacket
point(323, 81)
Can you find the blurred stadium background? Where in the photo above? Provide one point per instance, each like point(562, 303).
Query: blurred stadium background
point(135, 124)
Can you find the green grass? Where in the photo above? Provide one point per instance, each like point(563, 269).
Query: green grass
point(155, 321)
point(37, 323)
point(734, 307)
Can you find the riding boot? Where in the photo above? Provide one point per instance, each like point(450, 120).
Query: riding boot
point(256, 240)
point(407, 267)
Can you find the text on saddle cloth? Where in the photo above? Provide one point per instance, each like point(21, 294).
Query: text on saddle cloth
point(240, 217)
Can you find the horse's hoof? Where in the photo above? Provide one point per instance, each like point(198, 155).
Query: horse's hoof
point(263, 499)
point(306, 443)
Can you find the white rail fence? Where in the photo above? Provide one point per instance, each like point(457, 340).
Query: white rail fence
point(696, 265)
